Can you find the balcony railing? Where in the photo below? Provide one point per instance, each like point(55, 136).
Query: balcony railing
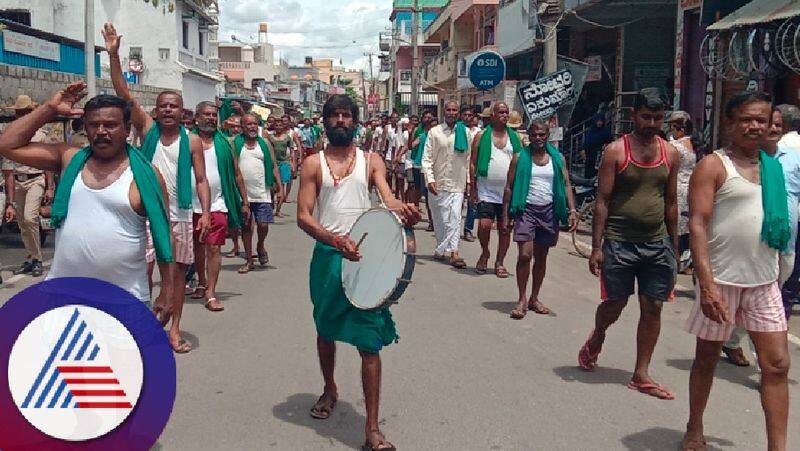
point(234, 65)
point(197, 62)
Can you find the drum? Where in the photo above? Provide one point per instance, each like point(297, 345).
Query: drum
point(387, 260)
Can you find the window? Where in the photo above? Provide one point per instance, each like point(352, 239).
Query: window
point(201, 47)
point(163, 54)
point(185, 40)
point(20, 16)
point(135, 53)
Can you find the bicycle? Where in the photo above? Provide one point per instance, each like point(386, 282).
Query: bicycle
point(585, 195)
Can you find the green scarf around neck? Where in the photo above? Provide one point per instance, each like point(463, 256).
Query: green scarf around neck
point(149, 189)
point(485, 149)
point(148, 149)
point(522, 182)
point(775, 229)
point(417, 155)
point(269, 175)
point(461, 143)
point(227, 177)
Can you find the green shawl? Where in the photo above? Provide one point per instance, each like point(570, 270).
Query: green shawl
point(269, 175)
point(227, 176)
point(522, 181)
point(149, 189)
point(775, 229)
point(417, 155)
point(485, 149)
point(461, 143)
point(184, 162)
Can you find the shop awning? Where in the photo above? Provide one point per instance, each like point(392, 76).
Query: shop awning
point(758, 12)
point(424, 99)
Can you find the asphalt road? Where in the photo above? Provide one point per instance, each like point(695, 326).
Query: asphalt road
point(463, 376)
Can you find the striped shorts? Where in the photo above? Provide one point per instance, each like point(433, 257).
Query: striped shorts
point(757, 309)
point(184, 244)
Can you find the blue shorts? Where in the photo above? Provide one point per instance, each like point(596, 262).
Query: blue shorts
point(286, 171)
point(262, 212)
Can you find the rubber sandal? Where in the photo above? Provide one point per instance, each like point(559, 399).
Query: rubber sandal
point(518, 313)
point(263, 259)
point(458, 263)
point(196, 295)
point(382, 441)
point(651, 389)
point(586, 359)
point(693, 444)
point(501, 272)
point(736, 356)
point(246, 268)
point(217, 307)
point(323, 408)
point(538, 308)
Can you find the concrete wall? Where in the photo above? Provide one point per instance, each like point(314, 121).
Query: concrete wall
point(140, 24)
point(42, 84)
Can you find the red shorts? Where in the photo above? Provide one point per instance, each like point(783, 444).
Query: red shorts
point(217, 231)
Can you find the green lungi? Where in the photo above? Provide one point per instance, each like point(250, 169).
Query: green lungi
point(335, 317)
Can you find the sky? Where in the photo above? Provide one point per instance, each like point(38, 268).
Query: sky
point(345, 29)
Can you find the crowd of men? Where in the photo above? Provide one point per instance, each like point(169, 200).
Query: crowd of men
point(169, 187)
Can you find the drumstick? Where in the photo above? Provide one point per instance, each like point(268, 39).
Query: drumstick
point(363, 237)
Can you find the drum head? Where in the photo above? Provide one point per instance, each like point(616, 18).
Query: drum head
point(369, 282)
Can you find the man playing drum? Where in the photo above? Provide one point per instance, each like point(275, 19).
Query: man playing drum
point(336, 182)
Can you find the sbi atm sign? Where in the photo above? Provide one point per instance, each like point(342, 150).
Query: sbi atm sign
point(486, 70)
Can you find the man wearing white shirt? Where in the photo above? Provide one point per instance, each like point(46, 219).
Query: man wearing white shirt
point(446, 173)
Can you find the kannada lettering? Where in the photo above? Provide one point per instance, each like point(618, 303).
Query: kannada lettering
point(543, 97)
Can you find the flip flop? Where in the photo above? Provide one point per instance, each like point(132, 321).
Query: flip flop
point(196, 294)
point(458, 263)
point(736, 356)
point(586, 359)
point(263, 259)
point(538, 308)
point(518, 313)
point(216, 307)
point(232, 254)
point(183, 347)
point(323, 408)
point(246, 268)
point(381, 441)
point(501, 272)
point(652, 389)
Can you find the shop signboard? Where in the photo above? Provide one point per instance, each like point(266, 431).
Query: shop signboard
point(31, 46)
point(486, 70)
point(543, 97)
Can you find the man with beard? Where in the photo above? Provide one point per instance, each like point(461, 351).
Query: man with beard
point(445, 161)
point(229, 206)
point(261, 176)
point(178, 155)
point(107, 193)
point(740, 222)
point(336, 181)
point(417, 187)
point(635, 236)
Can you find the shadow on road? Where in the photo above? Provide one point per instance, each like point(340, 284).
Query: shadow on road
point(345, 425)
point(656, 439)
point(500, 306)
point(736, 374)
point(191, 339)
point(600, 375)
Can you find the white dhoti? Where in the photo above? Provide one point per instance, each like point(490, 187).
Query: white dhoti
point(446, 212)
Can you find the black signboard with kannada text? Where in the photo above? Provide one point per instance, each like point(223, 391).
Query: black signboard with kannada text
point(543, 97)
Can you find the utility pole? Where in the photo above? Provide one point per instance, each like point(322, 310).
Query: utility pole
point(364, 94)
point(371, 75)
point(550, 50)
point(88, 48)
point(414, 60)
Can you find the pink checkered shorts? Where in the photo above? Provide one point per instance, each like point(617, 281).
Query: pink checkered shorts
point(184, 245)
point(757, 309)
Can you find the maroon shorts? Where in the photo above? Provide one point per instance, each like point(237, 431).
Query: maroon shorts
point(217, 231)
